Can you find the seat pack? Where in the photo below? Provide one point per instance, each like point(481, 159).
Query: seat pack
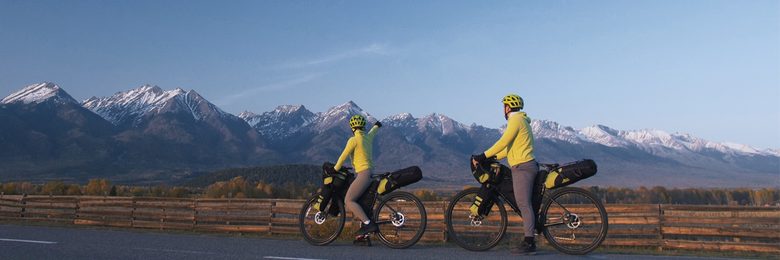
point(398, 179)
point(570, 173)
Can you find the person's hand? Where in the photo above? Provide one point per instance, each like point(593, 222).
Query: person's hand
point(478, 158)
point(378, 124)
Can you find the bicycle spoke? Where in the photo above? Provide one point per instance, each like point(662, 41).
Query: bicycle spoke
point(474, 233)
point(402, 220)
point(575, 222)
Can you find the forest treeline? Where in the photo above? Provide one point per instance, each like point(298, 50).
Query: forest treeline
point(243, 187)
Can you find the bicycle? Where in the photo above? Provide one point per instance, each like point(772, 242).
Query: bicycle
point(573, 220)
point(400, 215)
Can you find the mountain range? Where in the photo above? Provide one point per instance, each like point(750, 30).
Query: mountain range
point(149, 134)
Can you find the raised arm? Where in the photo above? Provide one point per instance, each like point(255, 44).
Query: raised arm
point(373, 130)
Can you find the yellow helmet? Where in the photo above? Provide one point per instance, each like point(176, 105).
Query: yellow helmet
point(513, 101)
point(357, 121)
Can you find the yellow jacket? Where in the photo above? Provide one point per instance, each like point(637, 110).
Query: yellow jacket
point(359, 149)
point(517, 142)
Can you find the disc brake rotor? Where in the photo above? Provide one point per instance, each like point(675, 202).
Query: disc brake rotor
point(573, 221)
point(319, 218)
point(398, 219)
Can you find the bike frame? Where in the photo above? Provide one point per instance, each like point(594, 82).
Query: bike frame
point(377, 198)
point(500, 196)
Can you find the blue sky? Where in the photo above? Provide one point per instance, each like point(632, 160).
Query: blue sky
point(708, 68)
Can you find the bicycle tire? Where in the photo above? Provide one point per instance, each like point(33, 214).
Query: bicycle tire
point(302, 217)
point(384, 228)
point(453, 234)
point(602, 233)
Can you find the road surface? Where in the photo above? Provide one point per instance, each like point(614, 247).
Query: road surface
point(39, 242)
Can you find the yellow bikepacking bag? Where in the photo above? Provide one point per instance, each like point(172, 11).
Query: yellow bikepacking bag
point(397, 179)
point(492, 172)
point(482, 202)
point(570, 173)
point(332, 181)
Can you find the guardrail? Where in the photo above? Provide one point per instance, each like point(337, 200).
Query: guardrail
point(709, 228)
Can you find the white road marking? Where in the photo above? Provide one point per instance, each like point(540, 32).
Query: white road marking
point(176, 251)
point(289, 258)
point(27, 241)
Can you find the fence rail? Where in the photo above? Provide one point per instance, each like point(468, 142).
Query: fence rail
point(710, 228)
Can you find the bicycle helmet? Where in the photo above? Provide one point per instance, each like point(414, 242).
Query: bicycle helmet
point(357, 121)
point(513, 101)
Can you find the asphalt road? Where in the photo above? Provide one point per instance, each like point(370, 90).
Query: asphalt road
point(37, 242)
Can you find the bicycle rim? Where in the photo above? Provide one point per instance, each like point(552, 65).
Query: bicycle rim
point(575, 221)
point(322, 229)
point(471, 234)
point(402, 219)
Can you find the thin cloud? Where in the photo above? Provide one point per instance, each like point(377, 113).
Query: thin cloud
point(373, 49)
point(281, 85)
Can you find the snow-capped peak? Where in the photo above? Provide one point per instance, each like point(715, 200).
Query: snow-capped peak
point(288, 109)
point(37, 93)
point(440, 123)
point(246, 114)
point(552, 130)
point(340, 113)
point(604, 135)
point(130, 106)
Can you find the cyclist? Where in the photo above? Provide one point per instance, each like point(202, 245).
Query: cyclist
point(359, 149)
point(517, 145)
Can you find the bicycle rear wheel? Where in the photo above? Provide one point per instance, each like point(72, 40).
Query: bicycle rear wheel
point(401, 218)
point(474, 233)
point(318, 227)
point(575, 221)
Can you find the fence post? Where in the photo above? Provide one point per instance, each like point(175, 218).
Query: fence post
point(194, 212)
point(271, 217)
point(444, 220)
point(23, 203)
point(76, 210)
point(132, 211)
point(661, 220)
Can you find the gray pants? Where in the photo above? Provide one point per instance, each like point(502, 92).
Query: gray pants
point(523, 182)
point(356, 189)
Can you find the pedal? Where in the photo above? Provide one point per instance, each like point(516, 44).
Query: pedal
point(362, 240)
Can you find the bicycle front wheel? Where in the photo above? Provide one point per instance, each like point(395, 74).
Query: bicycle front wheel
point(575, 221)
point(401, 218)
point(320, 228)
point(475, 233)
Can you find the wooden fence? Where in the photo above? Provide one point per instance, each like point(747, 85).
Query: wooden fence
point(710, 228)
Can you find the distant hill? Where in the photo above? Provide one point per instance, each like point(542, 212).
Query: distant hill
point(278, 175)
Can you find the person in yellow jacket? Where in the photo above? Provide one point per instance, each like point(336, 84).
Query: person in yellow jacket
point(359, 149)
point(517, 145)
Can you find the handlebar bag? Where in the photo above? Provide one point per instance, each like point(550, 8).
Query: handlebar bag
point(490, 173)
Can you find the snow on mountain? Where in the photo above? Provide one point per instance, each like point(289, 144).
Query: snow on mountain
point(402, 120)
point(38, 93)
point(552, 130)
point(129, 107)
point(440, 124)
point(283, 121)
point(663, 143)
point(339, 114)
